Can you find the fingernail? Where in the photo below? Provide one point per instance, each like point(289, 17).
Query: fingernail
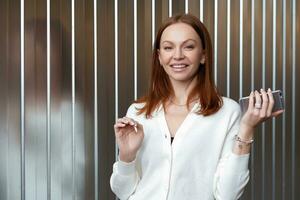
point(269, 90)
point(261, 89)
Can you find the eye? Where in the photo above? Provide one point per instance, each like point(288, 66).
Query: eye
point(189, 47)
point(167, 48)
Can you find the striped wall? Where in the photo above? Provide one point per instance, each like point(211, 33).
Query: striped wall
point(68, 69)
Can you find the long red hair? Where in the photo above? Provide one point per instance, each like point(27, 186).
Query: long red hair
point(161, 89)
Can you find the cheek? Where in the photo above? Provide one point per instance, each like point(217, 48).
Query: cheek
point(195, 57)
point(164, 58)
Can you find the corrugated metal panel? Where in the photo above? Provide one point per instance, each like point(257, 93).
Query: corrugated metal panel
point(10, 100)
point(69, 68)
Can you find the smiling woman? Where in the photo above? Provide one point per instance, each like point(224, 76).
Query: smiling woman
point(182, 40)
point(184, 121)
point(181, 52)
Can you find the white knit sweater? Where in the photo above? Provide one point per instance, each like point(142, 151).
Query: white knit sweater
point(199, 165)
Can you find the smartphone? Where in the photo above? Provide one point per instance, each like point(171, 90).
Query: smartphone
point(278, 101)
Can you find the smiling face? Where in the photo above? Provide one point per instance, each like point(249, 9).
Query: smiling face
point(180, 52)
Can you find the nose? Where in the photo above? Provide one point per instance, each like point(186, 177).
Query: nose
point(178, 54)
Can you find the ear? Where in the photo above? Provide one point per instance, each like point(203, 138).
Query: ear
point(202, 61)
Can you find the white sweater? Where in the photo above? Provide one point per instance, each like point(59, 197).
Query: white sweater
point(199, 165)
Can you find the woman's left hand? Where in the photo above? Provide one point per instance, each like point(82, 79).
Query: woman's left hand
point(259, 109)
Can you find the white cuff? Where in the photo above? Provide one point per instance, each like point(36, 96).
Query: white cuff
point(238, 163)
point(125, 168)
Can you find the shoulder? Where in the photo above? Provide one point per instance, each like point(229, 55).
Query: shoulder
point(230, 106)
point(230, 103)
point(133, 109)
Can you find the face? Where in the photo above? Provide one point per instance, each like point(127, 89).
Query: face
point(180, 52)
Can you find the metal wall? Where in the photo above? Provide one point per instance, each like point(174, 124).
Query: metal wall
point(68, 69)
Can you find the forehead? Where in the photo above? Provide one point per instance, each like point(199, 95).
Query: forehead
point(179, 32)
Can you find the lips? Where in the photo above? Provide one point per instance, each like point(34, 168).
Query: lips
point(178, 67)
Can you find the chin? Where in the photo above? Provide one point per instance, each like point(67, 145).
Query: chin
point(181, 79)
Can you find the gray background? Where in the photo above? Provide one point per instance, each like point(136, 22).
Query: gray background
point(56, 119)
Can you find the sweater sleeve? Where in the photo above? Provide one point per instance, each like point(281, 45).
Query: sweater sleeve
point(125, 177)
point(232, 173)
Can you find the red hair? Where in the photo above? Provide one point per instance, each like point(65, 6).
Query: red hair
point(160, 86)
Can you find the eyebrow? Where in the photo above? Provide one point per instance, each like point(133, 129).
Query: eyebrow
point(183, 42)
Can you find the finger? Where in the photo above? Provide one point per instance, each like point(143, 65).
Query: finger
point(257, 104)
point(123, 120)
point(251, 101)
point(257, 97)
point(265, 103)
point(271, 102)
point(135, 125)
point(119, 125)
point(276, 113)
point(120, 120)
point(132, 122)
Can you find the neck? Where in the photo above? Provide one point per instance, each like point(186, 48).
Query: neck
point(182, 90)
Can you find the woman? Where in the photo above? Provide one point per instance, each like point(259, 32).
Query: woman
point(183, 140)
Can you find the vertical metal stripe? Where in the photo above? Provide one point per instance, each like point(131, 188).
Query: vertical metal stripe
point(7, 164)
point(228, 47)
point(96, 103)
point(283, 89)
point(22, 105)
point(293, 96)
point(274, 87)
point(201, 10)
point(252, 88)
point(135, 46)
point(252, 45)
point(274, 46)
point(170, 8)
point(153, 21)
point(263, 159)
point(263, 85)
point(116, 71)
point(48, 104)
point(216, 42)
point(264, 44)
point(73, 97)
point(7, 171)
point(186, 6)
point(241, 49)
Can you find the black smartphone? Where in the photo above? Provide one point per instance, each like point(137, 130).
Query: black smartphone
point(278, 101)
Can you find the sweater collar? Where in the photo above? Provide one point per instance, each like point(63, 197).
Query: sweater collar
point(195, 108)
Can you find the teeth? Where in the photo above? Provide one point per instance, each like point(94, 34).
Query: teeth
point(179, 66)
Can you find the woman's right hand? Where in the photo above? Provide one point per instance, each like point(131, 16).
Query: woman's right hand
point(129, 135)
